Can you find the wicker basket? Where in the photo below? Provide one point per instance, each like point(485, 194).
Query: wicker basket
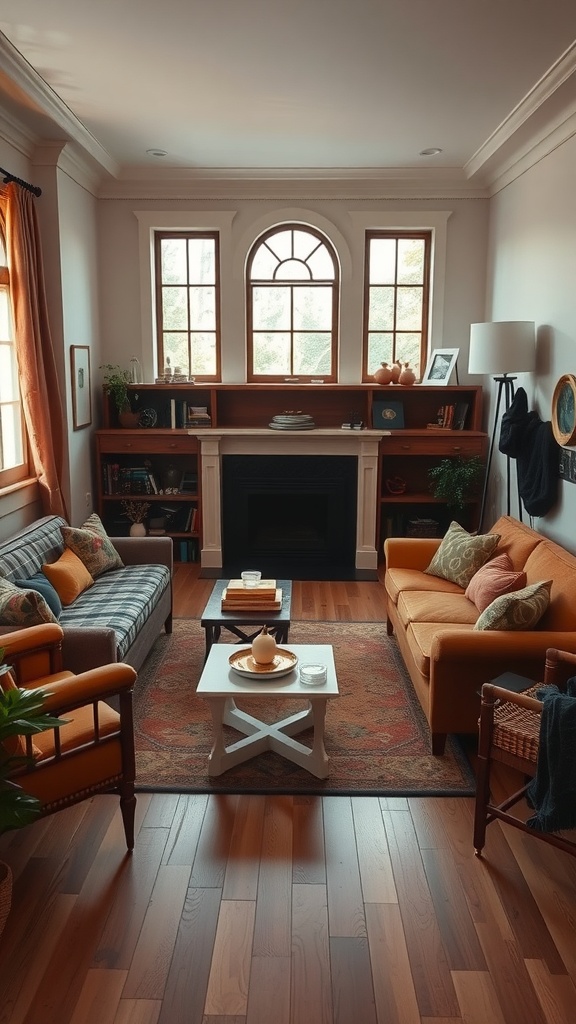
point(422, 528)
point(517, 730)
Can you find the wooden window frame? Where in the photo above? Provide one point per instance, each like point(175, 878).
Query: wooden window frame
point(300, 378)
point(426, 236)
point(159, 236)
point(15, 474)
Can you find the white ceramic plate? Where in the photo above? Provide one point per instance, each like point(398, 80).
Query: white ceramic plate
point(243, 663)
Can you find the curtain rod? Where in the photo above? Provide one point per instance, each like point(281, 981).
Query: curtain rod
point(35, 189)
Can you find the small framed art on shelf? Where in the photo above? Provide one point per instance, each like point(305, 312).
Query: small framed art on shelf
point(388, 415)
point(441, 363)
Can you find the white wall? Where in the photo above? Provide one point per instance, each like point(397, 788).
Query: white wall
point(126, 311)
point(532, 276)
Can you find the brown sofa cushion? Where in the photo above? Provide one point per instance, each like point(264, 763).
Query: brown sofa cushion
point(551, 562)
point(398, 581)
point(419, 606)
point(461, 554)
point(516, 539)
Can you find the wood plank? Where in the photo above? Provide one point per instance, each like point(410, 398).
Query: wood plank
point(352, 992)
point(120, 934)
point(25, 962)
point(459, 938)
point(511, 981)
point(311, 985)
point(272, 934)
point(556, 992)
point(345, 901)
point(230, 971)
point(187, 981)
point(138, 1011)
point(151, 962)
point(243, 864)
point(100, 996)
point(211, 859)
point(269, 987)
point(530, 932)
point(394, 992)
point(478, 999)
point(308, 856)
point(185, 830)
point(376, 874)
point(430, 972)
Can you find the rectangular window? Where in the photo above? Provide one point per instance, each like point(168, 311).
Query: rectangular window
point(13, 449)
point(396, 299)
point(187, 269)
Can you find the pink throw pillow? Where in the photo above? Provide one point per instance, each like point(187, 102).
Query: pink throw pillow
point(495, 578)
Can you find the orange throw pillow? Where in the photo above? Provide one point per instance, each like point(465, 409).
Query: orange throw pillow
point(69, 576)
point(495, 578)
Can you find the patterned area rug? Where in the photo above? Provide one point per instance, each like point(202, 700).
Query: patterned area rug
point(376, 734)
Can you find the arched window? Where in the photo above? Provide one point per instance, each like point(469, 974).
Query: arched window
point(292, 303)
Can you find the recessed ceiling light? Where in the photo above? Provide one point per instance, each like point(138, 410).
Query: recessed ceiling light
point(157, 152)
point(432, 151)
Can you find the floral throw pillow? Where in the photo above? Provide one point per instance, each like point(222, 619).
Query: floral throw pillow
point(21, 608)
point(93, 546)
point(496, 577)
point(517, 611)
point(461, 554)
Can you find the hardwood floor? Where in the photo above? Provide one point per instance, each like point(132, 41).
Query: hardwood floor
point(286, 910)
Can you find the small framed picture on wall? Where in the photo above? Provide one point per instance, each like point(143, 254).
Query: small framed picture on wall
point(80, 377)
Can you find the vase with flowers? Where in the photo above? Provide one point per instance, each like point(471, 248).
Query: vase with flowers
point(136, 512)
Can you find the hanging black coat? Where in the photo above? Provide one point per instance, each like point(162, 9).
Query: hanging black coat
point(529, 440)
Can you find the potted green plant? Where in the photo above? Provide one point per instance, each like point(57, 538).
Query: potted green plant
point(21, 714)
point(456, 480)
point(115, 383)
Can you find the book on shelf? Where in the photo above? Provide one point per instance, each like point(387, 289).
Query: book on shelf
point(249, 604)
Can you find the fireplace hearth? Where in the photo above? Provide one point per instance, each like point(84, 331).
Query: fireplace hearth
point(291, 516)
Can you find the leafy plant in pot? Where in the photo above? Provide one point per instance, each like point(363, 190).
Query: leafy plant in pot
point(21, 714)
point(115, 383)
point(456, 481)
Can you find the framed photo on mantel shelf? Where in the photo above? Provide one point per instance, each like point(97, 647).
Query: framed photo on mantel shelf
point(387, 416)
point(441, 363)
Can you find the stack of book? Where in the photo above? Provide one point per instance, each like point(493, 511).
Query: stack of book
point(266, 597)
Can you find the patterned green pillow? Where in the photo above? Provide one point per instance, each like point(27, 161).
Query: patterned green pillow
point(93, 546)
point(520, 610)
point(20, 608)
point(460, 554)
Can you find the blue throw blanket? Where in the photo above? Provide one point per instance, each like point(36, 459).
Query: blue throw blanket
point(552, 792)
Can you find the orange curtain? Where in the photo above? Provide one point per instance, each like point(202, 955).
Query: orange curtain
point(36, 364)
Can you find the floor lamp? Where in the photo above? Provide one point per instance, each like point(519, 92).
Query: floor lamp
point(500, 349)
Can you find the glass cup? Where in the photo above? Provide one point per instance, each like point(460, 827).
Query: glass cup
point(251, 577)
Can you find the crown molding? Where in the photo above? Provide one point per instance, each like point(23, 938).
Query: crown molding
point(540, 116)
point(287, 184)
point(47, 103)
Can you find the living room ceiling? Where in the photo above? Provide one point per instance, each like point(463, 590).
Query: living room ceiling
point(223, 85)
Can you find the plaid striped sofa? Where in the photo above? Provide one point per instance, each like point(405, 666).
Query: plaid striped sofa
point(121, 615)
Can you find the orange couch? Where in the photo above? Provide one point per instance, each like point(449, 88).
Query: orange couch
point(433, 621)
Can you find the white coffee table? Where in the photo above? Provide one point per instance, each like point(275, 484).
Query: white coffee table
point(220, 685)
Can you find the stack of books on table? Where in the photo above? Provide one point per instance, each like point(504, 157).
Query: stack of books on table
point(266, 597)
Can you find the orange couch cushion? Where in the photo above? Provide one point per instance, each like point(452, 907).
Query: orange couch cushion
point(418, 606)
point(401, 580)
point(516, 539)
point(421, 635)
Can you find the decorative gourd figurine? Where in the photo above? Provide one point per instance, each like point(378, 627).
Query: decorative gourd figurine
point(396, 370)
point(407, 376)
point(263, 647)
point(383, 374)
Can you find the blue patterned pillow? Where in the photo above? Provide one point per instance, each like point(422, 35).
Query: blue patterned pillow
point(39, 582)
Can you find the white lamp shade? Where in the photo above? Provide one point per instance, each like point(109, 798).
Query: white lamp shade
point(508, 346)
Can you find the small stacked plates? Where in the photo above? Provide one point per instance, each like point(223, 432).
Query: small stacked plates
point(292, 421)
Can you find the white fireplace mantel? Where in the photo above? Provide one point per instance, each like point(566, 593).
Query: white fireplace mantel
point(364, 444)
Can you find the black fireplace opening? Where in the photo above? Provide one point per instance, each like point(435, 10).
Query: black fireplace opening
point(291, 516)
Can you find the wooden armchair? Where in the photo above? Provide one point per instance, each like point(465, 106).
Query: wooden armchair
point(509, 734)
point(94, 751)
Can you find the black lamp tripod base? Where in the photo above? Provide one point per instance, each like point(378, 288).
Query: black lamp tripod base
point(506, 389)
